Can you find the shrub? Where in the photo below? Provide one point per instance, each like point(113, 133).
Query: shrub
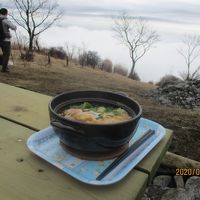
point(28, 56)
point(167, 79)
point(83, 59)
point(119, 69)
point(150, 82)
point(107, 65)
point(135, 76)
point(57, 52)
point(90, 58)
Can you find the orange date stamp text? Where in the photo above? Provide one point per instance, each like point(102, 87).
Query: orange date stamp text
point(187, 172)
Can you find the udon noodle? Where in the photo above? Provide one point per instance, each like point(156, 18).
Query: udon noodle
point(94, 114)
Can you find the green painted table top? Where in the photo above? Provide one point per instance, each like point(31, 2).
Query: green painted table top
point(25, 176)
point(24, 106)
point(151, 162)
point(30, 109)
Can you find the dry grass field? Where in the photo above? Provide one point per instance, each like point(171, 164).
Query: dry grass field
point(56, 78)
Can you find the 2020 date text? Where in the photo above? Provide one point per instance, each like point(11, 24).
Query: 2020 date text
point(187, 172)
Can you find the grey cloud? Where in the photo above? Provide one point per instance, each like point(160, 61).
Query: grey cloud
point(164, 11)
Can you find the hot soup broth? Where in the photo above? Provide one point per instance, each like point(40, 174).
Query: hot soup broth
point(95, 114)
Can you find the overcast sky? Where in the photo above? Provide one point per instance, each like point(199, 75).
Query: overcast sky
point(89, 22)
point(173, 10)
point(180, 11)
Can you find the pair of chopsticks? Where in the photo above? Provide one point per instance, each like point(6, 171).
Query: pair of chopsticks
point(123, 156)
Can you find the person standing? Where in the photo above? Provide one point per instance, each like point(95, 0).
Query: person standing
point(5, 37)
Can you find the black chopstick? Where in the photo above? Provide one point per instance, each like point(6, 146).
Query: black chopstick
point(133, 147)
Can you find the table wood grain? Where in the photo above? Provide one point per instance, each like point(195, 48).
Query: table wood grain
point(25, 176)
point(24, 108)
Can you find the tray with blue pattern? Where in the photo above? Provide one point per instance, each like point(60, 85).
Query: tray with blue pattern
point(46, 145)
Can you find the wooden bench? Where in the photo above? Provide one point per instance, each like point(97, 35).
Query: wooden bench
point(26, 176)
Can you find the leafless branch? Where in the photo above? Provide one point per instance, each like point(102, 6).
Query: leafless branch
point(135, 35)
point(191, 54)
point(36, 16)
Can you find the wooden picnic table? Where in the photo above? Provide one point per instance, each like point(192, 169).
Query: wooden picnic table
point(23, 175)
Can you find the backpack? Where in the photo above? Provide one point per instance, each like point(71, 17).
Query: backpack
point(2, 33)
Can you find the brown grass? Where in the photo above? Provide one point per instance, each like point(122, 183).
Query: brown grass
point(51, 80)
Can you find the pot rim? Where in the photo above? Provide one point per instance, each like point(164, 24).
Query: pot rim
point(98, 125)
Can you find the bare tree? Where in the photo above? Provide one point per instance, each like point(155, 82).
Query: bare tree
point(70, 51)
point(191, 55)
point(82, 54)
point(135, 34)
point(35, 16)
point(37, 43)
point(20, 41)
point(82, 58)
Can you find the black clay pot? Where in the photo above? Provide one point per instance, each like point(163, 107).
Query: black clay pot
point(92, 137)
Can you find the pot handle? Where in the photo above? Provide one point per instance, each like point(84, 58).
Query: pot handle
point(78, 133)
point(60, 125)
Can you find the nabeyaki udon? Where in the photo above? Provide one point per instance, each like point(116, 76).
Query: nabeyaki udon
point(94, 114)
